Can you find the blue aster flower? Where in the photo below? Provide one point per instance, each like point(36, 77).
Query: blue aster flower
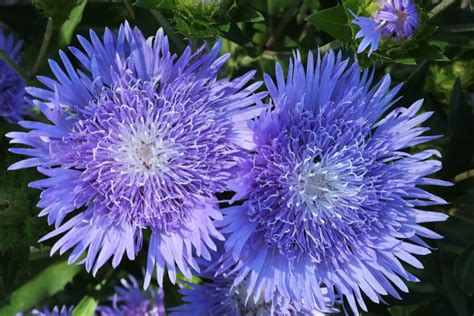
point(139, 139)
point(398, 17)
point(130, 300)
point(332, 194)
point(12, 87)
point(370, 32)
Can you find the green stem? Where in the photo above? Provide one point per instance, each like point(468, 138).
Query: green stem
point(168, 30)
point(44, 46)
point(129, 8)
point(458, 28)
point(467, 217)
point(283, 22)
point(13, 66)
point(464, 176)
point(440, 7)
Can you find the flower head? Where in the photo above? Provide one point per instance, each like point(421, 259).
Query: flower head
point(332, 196)
point(12, 87)
point(130, 300)
point(139, 139)
point(398, 17)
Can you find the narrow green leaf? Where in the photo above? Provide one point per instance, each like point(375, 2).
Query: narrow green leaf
point(333, 21)
point(86, 307)
point(67, 28)
point(46, 284)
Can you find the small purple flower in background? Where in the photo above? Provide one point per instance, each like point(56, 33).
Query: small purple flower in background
point(332, 196)
point(139, 139)
point(370, 33)
point(131, 300)
point(56, 311)
point(12, 87)
point(397, 18)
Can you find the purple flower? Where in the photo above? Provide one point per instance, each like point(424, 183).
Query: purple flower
point(130, 300)
point(56, 311)
point(370, 31)
point(332, 194)
point(12, 87)
point(139, 139)
point(398, 17)
point(394, 18)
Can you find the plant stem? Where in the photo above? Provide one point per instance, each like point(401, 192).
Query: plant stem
point(458, 28)
point(440, 7)
point(44, 46)
point(129, 8)
point(168, 30)
point(283, 22)
point(13, 66)
point(464, 176)
point(455, 212)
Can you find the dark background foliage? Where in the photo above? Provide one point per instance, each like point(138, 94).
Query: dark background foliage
point(436, 65)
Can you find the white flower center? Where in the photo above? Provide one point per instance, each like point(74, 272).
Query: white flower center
point(320, 186)
point(143, 153)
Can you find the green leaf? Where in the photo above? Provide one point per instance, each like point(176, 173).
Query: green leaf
point(86, 307)
point(464, 270)
point(236, 35)
point(333, 21)
point(429, 52)
point(66, 30)
point(58, 10)
point(246, 13)
point(49, 282)
point(406, 61)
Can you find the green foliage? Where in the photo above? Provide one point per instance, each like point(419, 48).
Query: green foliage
point(86, 307)
point(58, 10)
point(19, 225)
point(333, 21)
point(47, 283)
